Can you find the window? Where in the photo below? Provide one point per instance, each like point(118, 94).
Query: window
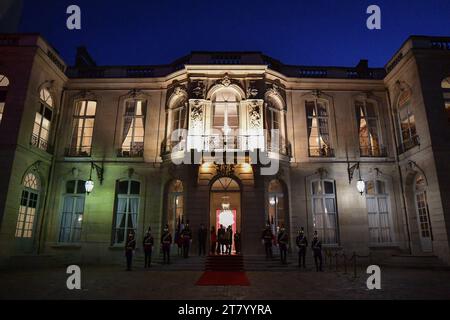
point(324, 210)
point(133, 129)
point(4, 83)
point(276, 206)
point(175, 205)
point(318, 131)
point(275, 120)
point(369, 129)
point(127, 208)
point(42, 121)
point(28, 206)
point(179, 118)
point(446, 92)
point(377, 200)
point(225, 122)
point(407, 122)
point(72, 212)
point(423, 214)
point(82, 128)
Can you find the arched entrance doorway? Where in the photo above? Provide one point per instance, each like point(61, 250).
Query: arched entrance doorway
point(225, 204)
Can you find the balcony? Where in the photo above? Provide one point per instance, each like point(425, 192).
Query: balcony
point(409, 144)
point(323, 152)
point(232, 143)
point(81, 152)
point(40, 143)
point(373, 152)
point(134, 151)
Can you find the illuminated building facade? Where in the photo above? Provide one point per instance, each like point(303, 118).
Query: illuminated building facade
point(148, 142)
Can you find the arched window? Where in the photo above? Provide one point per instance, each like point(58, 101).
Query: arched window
point(175, 205)
point(225, 120)
point(133, 129)
point(377, 199)
point(407, 122)
point(368, 129)
point(319, 144)
point(29, 204)
point(42, 121)
point(4, 83)
point(423, 214)
point(127, 209)
point(324, 210)
point(276, 204)
point(83, 128)
point(446, 93)
point(72, 211)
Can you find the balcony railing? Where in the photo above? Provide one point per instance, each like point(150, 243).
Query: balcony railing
point(40, 143)
point(323, 152)
point(232, 143)
point(373, 152)
point(135, 151)
point(409, 144)
point(78, 152)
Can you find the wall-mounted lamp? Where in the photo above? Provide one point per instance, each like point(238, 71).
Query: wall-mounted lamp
point(360, 184)
point(89, 185)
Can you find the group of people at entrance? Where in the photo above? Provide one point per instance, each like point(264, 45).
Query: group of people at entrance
point(282, 239)
point(222, 241)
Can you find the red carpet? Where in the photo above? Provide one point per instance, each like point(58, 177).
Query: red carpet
point(223, 278)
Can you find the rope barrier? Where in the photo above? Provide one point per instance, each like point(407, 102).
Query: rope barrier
point(341, 260)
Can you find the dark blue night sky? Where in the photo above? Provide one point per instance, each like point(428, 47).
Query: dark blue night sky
point(319, 32)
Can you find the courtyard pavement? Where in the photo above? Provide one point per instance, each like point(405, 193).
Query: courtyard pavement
point(112, 282)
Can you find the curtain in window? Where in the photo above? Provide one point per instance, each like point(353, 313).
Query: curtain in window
point(130, 112)
point(309, 117)
point(134, 204)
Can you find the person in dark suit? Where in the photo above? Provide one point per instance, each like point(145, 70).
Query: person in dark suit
point(221, 240)
point(237, 242)
point(202, 236)
point(130, 245)
point(213, 240)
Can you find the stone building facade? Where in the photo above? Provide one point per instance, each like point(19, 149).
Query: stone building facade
point(197, 140)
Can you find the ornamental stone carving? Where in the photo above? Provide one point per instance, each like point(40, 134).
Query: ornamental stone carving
point(254, 115)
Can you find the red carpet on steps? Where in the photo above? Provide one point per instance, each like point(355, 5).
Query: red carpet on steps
point(223, 278)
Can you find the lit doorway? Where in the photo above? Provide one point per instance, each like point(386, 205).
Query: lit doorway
point(225, 205)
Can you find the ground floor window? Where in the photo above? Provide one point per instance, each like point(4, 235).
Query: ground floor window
point(175, 205)
point(28, 206)
point(72, 212)
point(127, 208)
point(325, 211)
point(276, 204)
point(378, 212)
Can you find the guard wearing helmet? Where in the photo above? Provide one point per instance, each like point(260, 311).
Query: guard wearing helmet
point(302, 244)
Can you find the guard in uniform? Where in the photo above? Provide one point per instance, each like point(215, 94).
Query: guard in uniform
point(148, 248)
point(130, 245)
point(283, 241)
point(186, 236)
point(267, 238)
point(302, 244)
point(317, 250)
point(166, 241)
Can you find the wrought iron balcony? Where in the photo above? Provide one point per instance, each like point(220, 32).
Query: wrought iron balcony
point(78, 152)
point(40, 143)
point(323, 152)
point(409, 144)
point(134, 151)
point(374, 152)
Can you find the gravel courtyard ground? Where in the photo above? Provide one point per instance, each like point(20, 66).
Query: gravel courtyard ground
point(114, 283)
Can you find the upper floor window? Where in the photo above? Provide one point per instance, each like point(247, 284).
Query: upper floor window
point(407, 122)
point(4, 83)
point(29, 204)
point(133, 129)
point(72, 211)
point(324, 210)
point(226, 112)
point(83, 128)
point(377, 199)
point(446, 92)
point(319, 144)
point(127, 208)
point(43, 120)
point(368, 129)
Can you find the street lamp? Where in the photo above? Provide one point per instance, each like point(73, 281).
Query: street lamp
point(89, 184)
point(360, 184)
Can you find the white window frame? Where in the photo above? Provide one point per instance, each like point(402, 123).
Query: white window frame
point(74, 197)
point(376, 197)
point(367, 119)
point(46, 104)
point(80, 148)
point(323, 197)
point(23, 218)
